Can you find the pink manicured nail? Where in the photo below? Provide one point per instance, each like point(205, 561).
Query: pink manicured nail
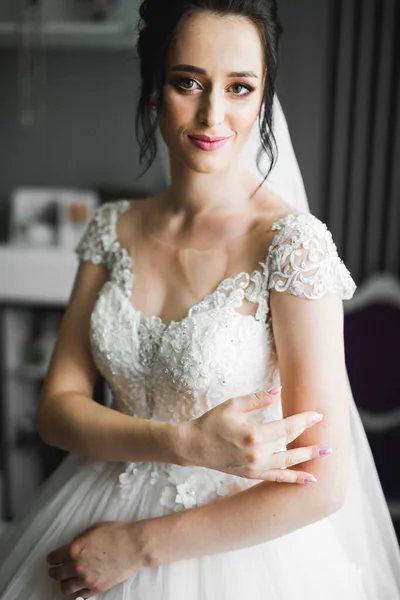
point(274, 391)
point(317, 417)
point(324, 451)
point(311, 479)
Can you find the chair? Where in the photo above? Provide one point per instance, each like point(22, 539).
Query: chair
point(372, 339)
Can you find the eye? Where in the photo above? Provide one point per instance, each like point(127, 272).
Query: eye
point(186, 84)
point(240, 89)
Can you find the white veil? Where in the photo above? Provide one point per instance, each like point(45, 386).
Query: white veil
point(363, 525)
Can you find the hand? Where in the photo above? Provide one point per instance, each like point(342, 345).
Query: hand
point(224, 440)
point(97, 559)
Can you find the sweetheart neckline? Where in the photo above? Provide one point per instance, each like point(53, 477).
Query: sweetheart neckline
point(143, 321)
point(124, 205)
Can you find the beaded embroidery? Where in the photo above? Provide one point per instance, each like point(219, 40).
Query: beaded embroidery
point(178, 371)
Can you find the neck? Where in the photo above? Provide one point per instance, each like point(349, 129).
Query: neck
point(195, 194)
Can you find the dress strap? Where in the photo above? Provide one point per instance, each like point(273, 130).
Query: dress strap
point(101, 234)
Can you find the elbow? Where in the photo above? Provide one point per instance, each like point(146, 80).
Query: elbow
point(333, 505)
point(331, 487)
point(324, 506)
point(338, 494)
point(331, 500)
point(45, 426)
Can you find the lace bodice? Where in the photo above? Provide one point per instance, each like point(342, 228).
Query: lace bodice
point(178, 371)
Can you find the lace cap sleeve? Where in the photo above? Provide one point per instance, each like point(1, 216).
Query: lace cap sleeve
point(100, 233)
point(303, 260)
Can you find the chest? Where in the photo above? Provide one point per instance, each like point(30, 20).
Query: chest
point(168, 281)
point(209, 356)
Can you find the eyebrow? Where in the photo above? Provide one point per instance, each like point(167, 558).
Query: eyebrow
point(193, 69)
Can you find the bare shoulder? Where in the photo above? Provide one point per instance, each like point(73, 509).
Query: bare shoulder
point(270, 208)
point(131, 215)
point(130, 223)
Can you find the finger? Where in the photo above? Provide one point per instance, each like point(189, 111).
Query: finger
point(70, 586)
point(258, 400)
point(288, 476)
point(84, 594)
point(62, 572)
point(289, 458)
point(59, 556)
point(297, 424)
point(288, 429)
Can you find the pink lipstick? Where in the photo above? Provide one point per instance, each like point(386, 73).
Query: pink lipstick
point(207, 143)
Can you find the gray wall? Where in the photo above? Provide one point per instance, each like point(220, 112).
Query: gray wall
point(304, 86)
point(88, 138)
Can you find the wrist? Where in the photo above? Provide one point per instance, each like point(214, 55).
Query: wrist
point(154, 540)
point(168, 440)
point(139, 540)
point(187, 443)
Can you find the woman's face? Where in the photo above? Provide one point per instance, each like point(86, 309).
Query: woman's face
point(214, 84)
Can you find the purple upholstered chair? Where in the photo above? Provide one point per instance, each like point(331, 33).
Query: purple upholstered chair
point(372, 342)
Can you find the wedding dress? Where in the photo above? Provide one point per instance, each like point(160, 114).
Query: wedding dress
point(175, 371)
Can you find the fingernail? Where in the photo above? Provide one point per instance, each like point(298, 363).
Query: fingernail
point(317, 418)
point(311, 479)
point(274, 391)
point(324, 451)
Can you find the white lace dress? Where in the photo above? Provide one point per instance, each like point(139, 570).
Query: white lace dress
point(176, 372)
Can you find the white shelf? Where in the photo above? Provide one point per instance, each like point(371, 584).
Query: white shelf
point(75, 34)
point(36, 275)
point(69, 24)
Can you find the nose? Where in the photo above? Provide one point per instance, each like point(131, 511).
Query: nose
point(212, 109)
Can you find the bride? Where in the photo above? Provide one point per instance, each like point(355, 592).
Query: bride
point(194, 484)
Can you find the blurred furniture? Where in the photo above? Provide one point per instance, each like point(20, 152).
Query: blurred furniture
point(31, 280)
point(31, 275)
point(35, 284)
point(68, 24)
point(372, 334)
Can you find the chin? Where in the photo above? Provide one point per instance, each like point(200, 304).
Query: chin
point(207, 165)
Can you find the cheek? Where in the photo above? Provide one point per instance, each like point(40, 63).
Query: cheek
point(177, 107)
point(242, 113)
point(242, 117)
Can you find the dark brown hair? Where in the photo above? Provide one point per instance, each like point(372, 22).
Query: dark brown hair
point(159, 20)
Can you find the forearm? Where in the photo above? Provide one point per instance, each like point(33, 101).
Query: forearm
point(260, 514)
point(77, 424)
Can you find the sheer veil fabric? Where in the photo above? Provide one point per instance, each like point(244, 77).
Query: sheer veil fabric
point(363, 524)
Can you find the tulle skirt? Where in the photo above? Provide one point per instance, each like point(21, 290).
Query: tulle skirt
point(81, 493)
point(351, 555)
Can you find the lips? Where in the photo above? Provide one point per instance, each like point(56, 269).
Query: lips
point(207, 143)
point(208, 139)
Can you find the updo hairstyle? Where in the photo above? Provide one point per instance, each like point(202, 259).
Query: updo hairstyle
point(158, 23)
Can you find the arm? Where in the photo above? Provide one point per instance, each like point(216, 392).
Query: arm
point(108, 553)
point(309, 342)
point(68, 417)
